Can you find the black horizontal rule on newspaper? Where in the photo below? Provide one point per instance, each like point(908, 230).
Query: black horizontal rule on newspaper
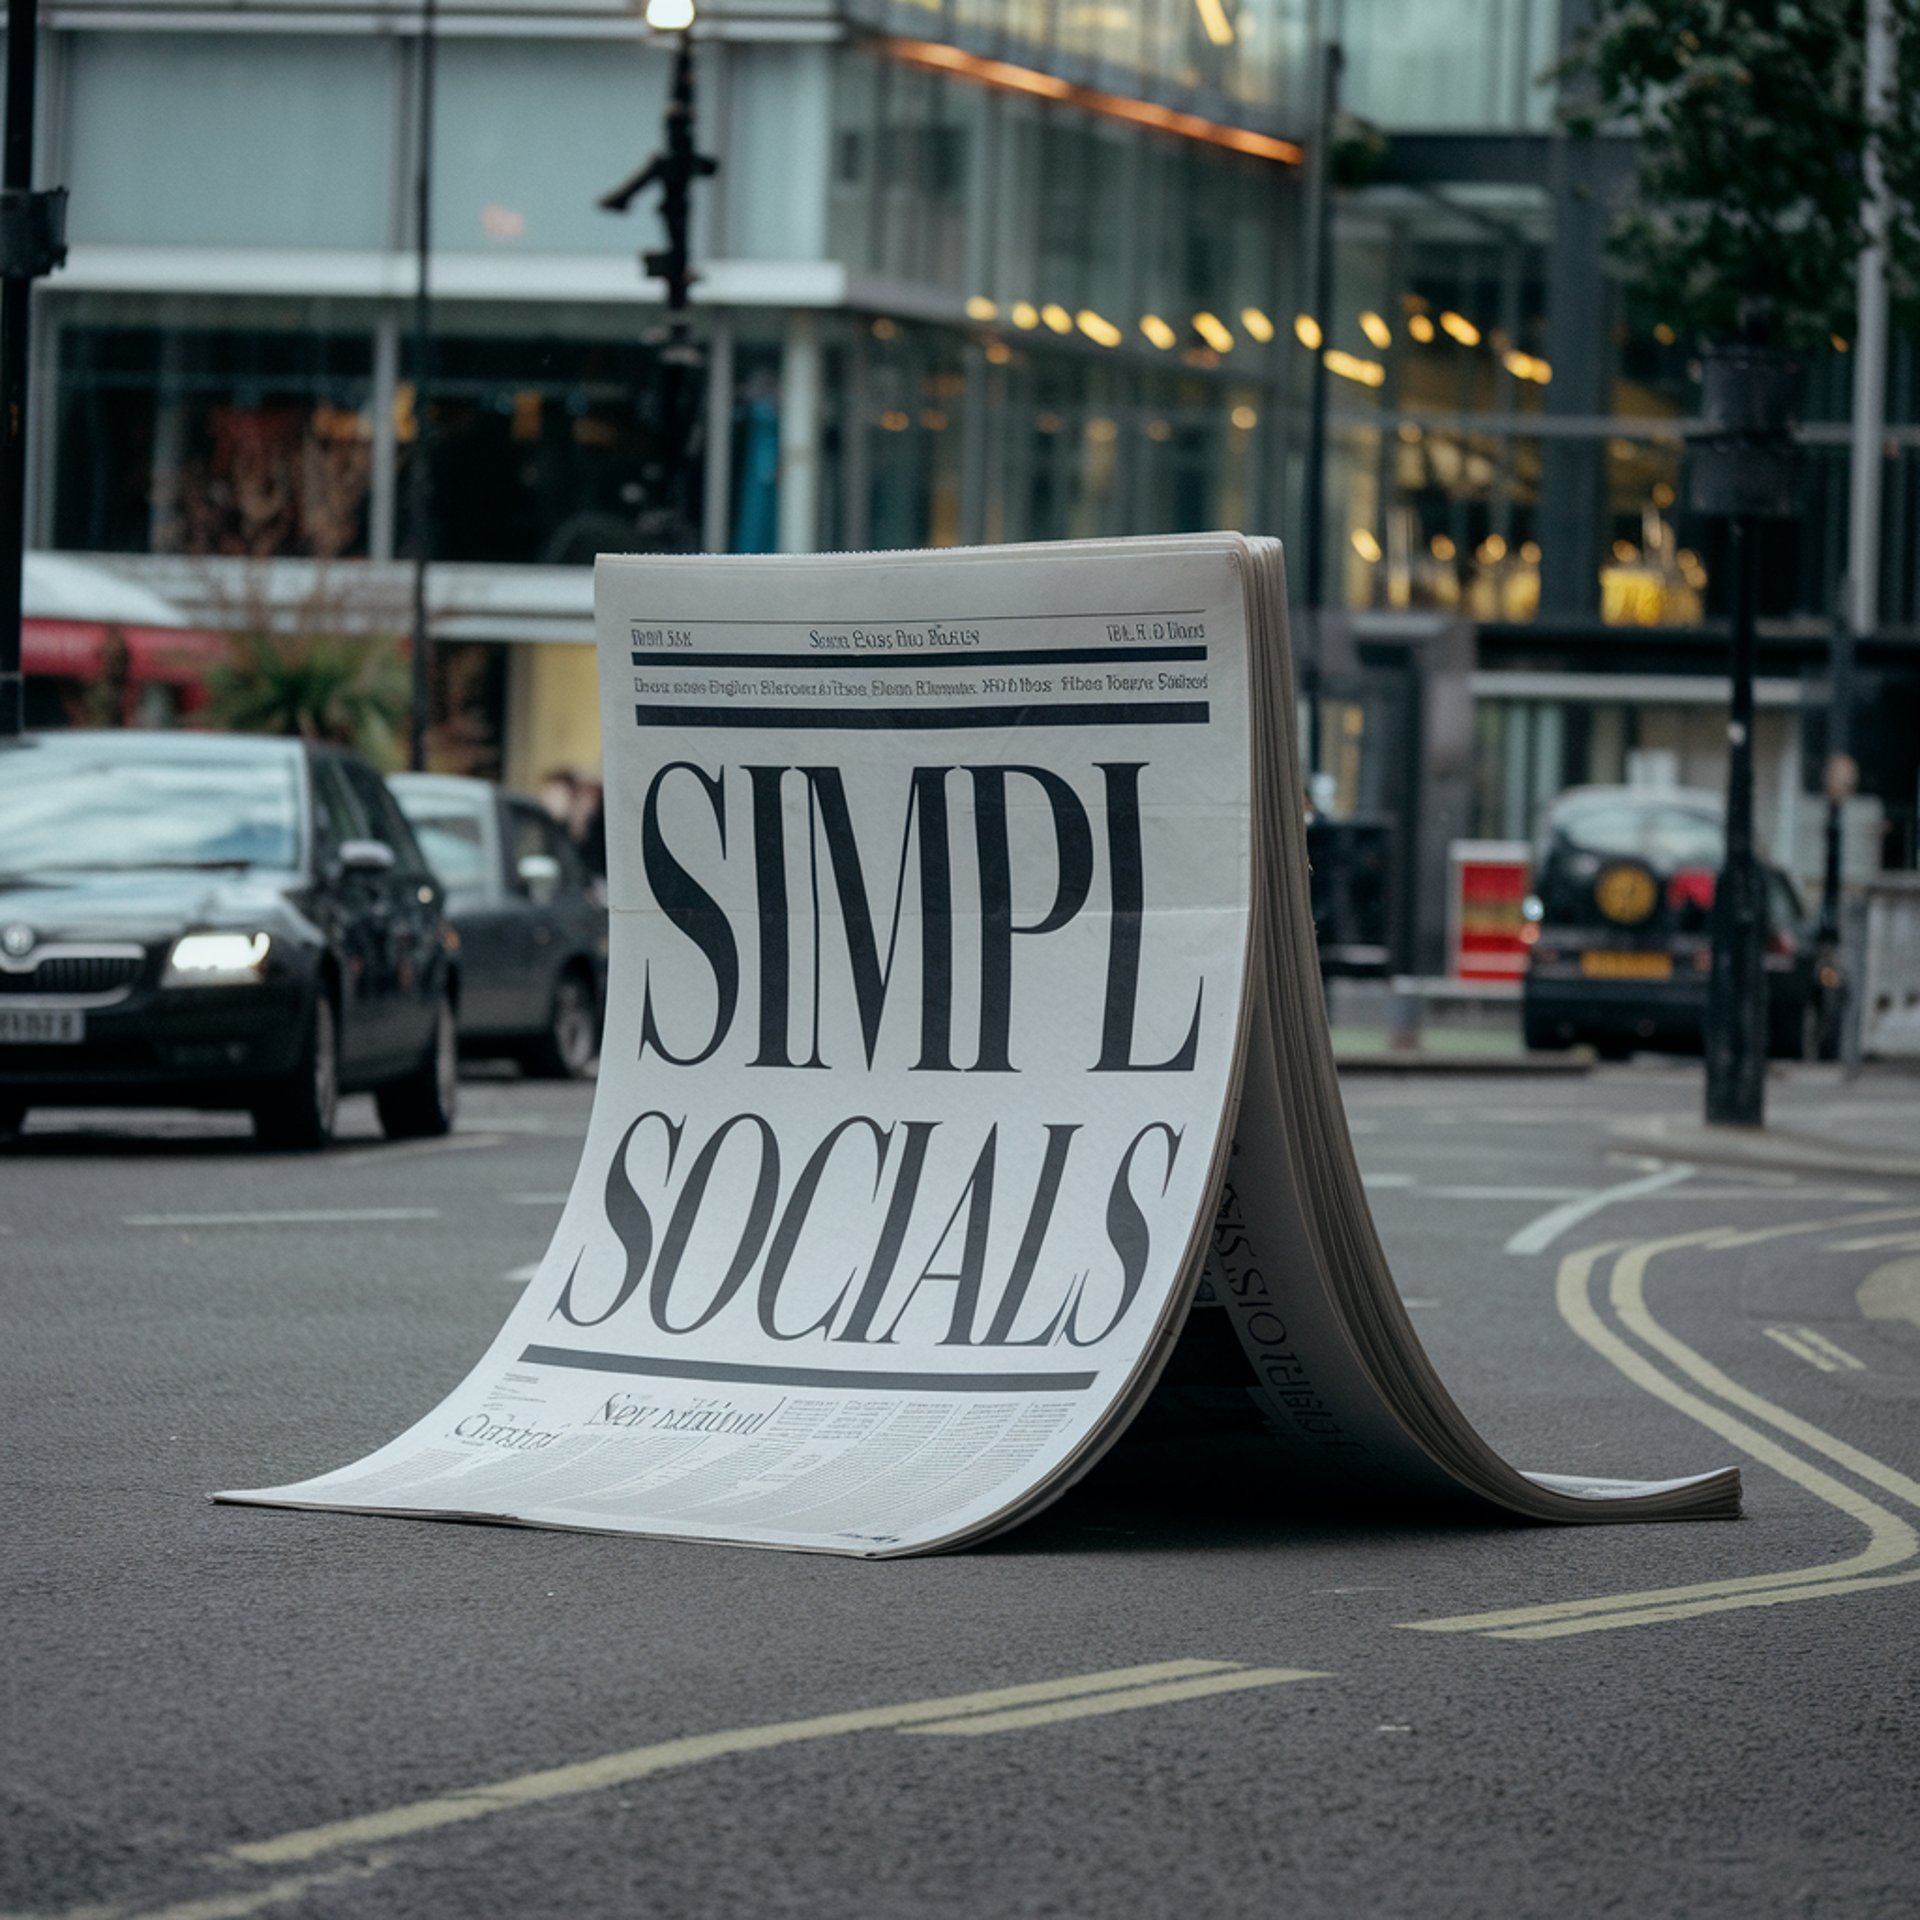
point(932, 657)
point(1089, 713)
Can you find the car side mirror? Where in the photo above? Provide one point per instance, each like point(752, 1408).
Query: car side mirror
point(540, 874)
point(366, 856)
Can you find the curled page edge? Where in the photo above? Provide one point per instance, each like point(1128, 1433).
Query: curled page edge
point(1323, 1209)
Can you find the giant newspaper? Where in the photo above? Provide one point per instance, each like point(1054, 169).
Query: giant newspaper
point(964, 1049)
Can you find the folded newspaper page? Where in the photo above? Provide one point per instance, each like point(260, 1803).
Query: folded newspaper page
point(964, 1048)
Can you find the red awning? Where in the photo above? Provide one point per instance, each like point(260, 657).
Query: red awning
point(76, 650)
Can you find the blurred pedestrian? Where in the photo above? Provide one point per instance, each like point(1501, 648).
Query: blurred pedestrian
point(587, 824)
point(560, 795)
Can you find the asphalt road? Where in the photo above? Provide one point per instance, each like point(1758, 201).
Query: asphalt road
point(1372, 1714)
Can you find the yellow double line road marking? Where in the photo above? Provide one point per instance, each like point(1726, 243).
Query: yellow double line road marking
point(1892, 1542)
point(996, 1710)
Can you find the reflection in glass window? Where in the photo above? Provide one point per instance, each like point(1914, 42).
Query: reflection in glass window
point(450, 836)
point(852, 165)
point(234, 140)
point(214, 441)
point(1664, 836)
point(502, 181)
point(117, 804)
point(548, 451)
point(913, 389)
point(1252, 54)
point(1449, 63)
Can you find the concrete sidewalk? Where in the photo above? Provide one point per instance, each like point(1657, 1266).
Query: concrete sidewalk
point(1801, 1136)
point(1454, 1050)
point(1463, 1038)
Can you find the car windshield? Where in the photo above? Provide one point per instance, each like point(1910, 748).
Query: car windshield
point(449, 834)
point(109, 806)
point(1665, 836)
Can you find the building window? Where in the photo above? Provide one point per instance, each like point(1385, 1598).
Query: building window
point(548, 451)
point(214, 441)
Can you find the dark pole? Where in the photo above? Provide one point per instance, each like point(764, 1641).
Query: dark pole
point(1840, 773)
point(420, 479)
point(1743, 472)
point(1736, 1034)
point(1314, 530)
point(673, 170)
point(30, 245)
point(679, 356)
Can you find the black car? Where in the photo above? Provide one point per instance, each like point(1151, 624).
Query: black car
point(212, 921)
point(532, 922)
point(1620, 937)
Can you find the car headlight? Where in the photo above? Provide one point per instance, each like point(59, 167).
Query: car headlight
point(217, 960)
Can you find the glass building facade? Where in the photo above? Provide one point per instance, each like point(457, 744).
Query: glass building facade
point(971, 270)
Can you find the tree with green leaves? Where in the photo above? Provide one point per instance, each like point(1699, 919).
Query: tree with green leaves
point(1751, 129)
point(1753, 136)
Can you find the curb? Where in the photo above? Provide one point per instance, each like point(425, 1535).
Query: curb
point(1527, 1065)
point(1767, 1148)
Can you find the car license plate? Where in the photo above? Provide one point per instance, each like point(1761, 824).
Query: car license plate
point(1602, 964)
point(42, 1026)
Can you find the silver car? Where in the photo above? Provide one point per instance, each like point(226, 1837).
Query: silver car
point(532, 922)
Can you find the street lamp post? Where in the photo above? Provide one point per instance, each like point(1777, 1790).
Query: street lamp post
point(1743, 471)
point(1320, 232)
point(420, 478)
point(673, 169)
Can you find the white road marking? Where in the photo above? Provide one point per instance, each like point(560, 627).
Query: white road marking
point(1866, 1196)
point(1802, 1349)
point(1538, 1235)
point(1892, 1292)
point(1411, 1185)
point(519, 1276)
point(1834, 1351)
point(1872, 1242)
point(413, 1149)
point(1503, 1193)
point(285, 1217)
point(1086, 1707)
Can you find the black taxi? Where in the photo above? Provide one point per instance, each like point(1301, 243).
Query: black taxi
point(1619, 930)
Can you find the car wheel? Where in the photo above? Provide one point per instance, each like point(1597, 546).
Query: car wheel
point(421, 1105)
point(13, 1116)
point(566, 1050)
point(300, 1112)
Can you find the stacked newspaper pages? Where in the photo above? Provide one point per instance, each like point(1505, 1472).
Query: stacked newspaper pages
point(964, 1050)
